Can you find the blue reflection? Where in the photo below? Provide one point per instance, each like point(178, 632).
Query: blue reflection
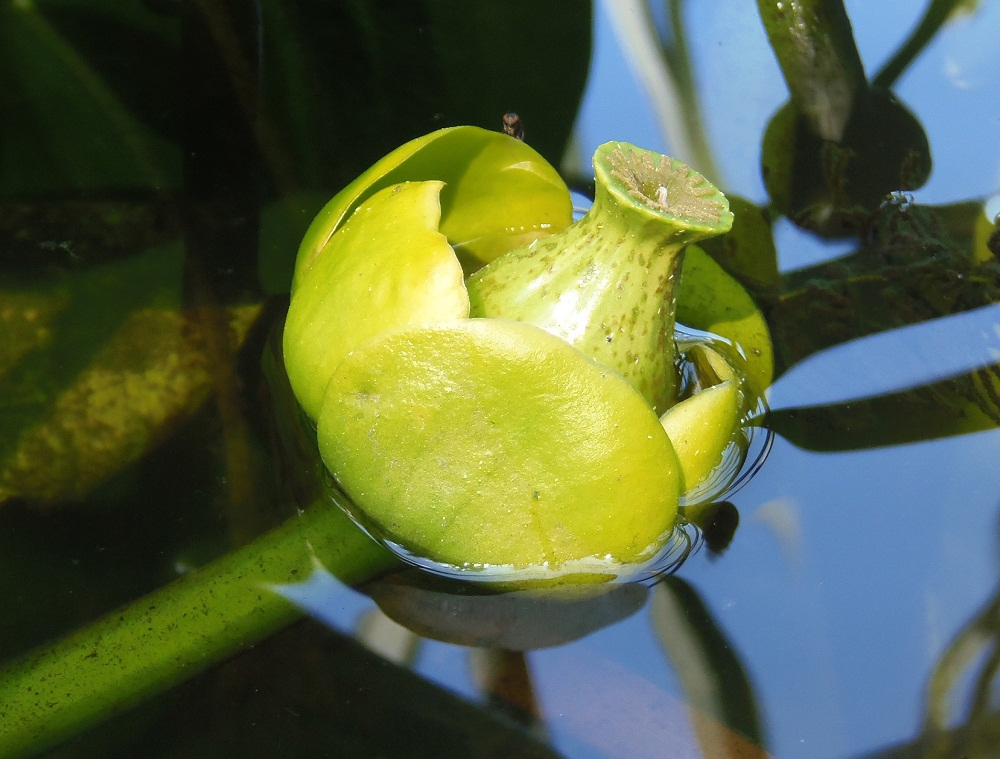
point(326, 599)
point(892, 550)
point(889, 362)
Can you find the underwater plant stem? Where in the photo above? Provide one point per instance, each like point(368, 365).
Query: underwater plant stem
point(938, 11)
point(678, 57)
point(176, 632)
point(814, 44)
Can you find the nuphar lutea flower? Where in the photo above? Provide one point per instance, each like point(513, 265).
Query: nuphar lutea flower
point(495, 385)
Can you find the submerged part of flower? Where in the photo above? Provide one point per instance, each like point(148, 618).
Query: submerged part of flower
point(489, 442)
point(607, 284)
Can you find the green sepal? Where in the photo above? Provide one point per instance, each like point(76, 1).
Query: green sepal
point(499, 193)
point(709, 299)
point(701, 428)
point(388, 266)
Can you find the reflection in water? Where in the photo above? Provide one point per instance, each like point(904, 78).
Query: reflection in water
point(836, 159)
point(901, 359)
point(963, 711)
point(468, 615)
point(720, 717)
point(709, 668)
point(518, 620)
point(969, 728)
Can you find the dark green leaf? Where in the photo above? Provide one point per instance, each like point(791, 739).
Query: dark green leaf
point(65, 128)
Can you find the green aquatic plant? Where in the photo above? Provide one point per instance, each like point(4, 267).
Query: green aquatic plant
point(485, 194)
point(511, 418)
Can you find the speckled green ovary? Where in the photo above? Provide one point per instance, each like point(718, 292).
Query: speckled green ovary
point(607, 284)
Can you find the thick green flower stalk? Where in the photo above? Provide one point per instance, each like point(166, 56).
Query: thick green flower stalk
point(511, 421)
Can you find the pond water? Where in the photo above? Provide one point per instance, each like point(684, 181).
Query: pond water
point(853, 611)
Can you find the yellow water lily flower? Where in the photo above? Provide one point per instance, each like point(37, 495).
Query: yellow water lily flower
point(487, 376)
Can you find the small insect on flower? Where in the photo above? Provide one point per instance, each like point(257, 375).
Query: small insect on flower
point(513, 126)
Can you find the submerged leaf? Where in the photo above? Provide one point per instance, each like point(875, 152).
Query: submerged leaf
point(149, 375)
point(64, 126)
point(98, 367)
point(713, 678)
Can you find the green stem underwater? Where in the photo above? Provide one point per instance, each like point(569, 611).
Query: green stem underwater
point(173, 634)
